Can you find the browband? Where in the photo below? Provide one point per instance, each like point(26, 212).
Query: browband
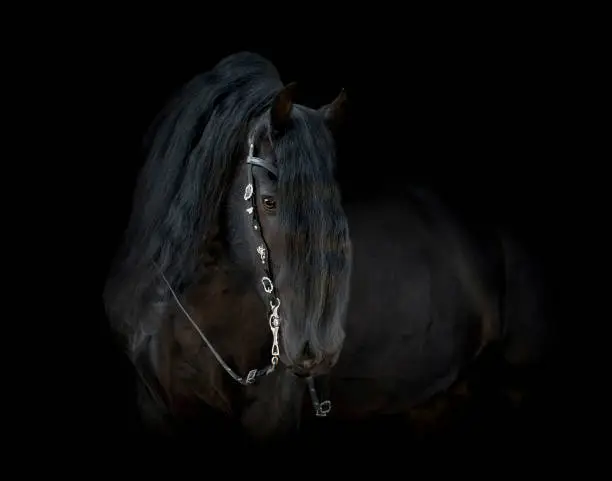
point(266, 164)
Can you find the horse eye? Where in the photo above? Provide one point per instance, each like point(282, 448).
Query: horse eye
point(269, 203)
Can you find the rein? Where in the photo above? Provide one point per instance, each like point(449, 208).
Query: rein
point(245, 381)
point(321, 408)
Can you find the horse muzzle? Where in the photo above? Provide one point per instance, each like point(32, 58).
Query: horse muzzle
point(308, 367)
point(304, 368)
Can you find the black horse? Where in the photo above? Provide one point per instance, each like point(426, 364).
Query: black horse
point(240, 293)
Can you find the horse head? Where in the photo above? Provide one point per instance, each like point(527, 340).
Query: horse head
point(287, 228)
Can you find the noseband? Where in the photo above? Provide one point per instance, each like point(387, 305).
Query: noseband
point(321, 408)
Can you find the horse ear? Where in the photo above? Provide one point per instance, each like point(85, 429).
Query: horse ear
point(333, 113)
point(281, 107)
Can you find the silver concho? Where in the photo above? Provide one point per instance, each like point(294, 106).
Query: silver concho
point(248, 192)
point(267, 284)
point(262, 253)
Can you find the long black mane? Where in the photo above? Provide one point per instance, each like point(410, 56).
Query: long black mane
point(191, 154)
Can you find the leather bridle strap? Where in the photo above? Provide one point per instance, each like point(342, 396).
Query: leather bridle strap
point(321, 408)
point(263, 250)
point(266, 164)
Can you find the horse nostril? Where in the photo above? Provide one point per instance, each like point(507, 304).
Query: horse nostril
point(308, 363)
point(308, 357)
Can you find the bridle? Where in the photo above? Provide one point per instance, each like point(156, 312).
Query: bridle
point(321, 408)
